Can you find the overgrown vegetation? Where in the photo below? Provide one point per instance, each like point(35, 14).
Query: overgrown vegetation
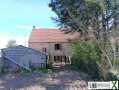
point(97, 18)
point(36, 70)
point(43, 70)
point(86, 57)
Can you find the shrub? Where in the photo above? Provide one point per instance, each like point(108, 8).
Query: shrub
point(112, 77)
point(43, 70)
point(86, 55)
point(23, 71)
point(49, 65)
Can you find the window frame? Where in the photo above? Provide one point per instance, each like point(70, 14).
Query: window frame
point(44, 50)
point(58, 46)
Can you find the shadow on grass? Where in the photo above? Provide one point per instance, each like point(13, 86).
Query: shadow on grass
point(61, 80)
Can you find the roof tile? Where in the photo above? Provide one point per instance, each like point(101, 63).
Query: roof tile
point(49, 35)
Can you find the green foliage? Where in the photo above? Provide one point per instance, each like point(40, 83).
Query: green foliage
point(112, 76)
point(23, 71)
point(11, 43)
point(81, 14)
point(2, 71)
point(49, 65)
point(76, 14)
point(37, 70)
point(116, 62)
point(43, 70)
point(1, 68)
point(86, 55)
point(102, 16)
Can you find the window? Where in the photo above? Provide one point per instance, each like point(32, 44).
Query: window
point(57, 58)
point(57, 46)
point(64, 59)
point(44, 50)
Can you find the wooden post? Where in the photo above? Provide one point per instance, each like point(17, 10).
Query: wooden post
point(70, 59)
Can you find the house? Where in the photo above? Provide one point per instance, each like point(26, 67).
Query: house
point(18, 57)
point(52, 42)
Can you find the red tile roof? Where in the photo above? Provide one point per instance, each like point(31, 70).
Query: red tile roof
point(49, 35)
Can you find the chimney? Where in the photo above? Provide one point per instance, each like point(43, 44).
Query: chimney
point(33, 27)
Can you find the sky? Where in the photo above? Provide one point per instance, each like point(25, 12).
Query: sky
point(17, 17)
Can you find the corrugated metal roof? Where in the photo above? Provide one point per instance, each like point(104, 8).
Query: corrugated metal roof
point(15, 54)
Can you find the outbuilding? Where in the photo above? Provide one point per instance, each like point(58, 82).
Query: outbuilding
point(17, 57)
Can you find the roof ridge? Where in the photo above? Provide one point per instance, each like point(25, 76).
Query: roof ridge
point(45, 29)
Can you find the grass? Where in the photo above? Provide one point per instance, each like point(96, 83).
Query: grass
point(116, 66)
point(34, 70)
point(43, 70)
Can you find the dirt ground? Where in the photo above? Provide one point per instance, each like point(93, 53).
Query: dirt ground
point(62, 80)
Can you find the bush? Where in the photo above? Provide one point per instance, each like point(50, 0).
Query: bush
point(112, 77)
point(23, 71)
point(43, 70)
point(49, 65)
point(86, 55)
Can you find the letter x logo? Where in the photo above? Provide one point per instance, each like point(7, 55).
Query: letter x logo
point(114, 84)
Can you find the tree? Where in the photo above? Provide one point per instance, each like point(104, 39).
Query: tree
point(76, 14)
point(11, 43)
point(96, 17)
point(86, 57)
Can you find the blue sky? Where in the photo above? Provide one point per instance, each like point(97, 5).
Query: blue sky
point(18, 16)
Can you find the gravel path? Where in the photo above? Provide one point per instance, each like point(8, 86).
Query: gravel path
point(62, 80)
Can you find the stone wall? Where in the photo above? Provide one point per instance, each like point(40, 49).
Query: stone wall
point(50, 49)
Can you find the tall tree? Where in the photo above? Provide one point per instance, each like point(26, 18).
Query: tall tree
point(96, 17)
